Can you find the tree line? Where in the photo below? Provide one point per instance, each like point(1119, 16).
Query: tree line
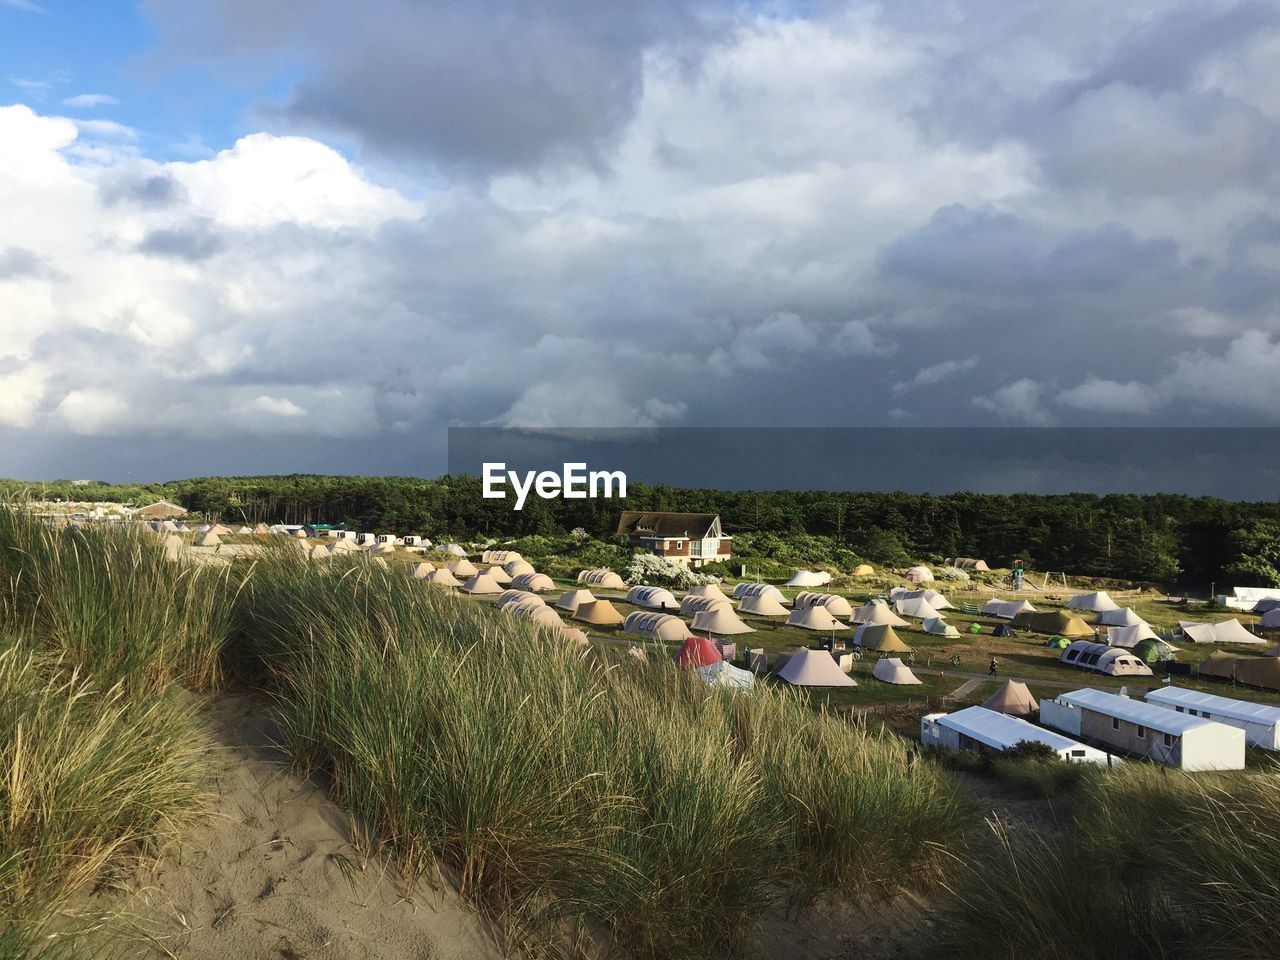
point(1168, 539)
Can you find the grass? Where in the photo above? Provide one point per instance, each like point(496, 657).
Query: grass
point(87, 777)
point(574, 793)
point(99, 755)
point(1158, 863)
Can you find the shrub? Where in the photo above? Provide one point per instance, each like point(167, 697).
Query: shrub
point(953, 573)
point(656, 571)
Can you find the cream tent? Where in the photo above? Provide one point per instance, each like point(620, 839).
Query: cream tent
point(208, 539)
point(518, 568)
point(261, 530)
point(300, 534)
point(342, 546)
point(655, 597)
point(1006, 609)
point(518, 596)
point(500, 557)
point(533, 582)
point(940, 628)
point(454, 549)
point(221, 530)
point(172, 546)
point(598, 613)
point(1013, 699)
point(482, 583)
point(879, 636)
point(809, 578)
point(893, 670)
point(574, 635)
point(720, 620)
point(657, 627)
point(418, 571)
point(320, 552)
point(602, 579)
point(711, 590)
point(814, 668)
point(441, 578)
point(386, 548)
point(573, 599)
point(537, 612)
point(967, 563)
point(920, 574)
point(499, 575)
point(744, 590)
point(169, 527)
point(1271, 619)
point(837, 606)
point(1097, 602)
point(691, 605)
point(1130, 636)
point(244, 532)
point(1121, 617)
point(462, 567)
point(864, 570)
point(935, 599)
point(762, 605)
point(1226, 631)
point(814, 618)
point(920, 608)
point(878, 613)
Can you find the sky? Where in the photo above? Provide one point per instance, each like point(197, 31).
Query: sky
point(268, 236)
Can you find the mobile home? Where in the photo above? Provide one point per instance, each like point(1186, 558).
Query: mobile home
point(1145, 730)
point(1259, 721)
point(980, 730)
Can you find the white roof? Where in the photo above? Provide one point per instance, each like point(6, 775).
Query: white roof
point(1121, 617)
point(893, 670)
point(1132, 636)
point(1223, 706)
point(1099, 601)
point(1256, 593)
point(1135, 711)
point(1001, 731)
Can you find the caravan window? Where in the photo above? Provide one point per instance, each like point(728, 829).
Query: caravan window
point(1115, 723)
point(1168, 739)
point(1179, 709)
point(1077, 753)
point(1142, 732)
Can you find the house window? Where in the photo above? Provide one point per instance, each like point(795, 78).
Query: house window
point(1168, 740)
point(1115, 723)
point(1179, 709)
point(1142, 732)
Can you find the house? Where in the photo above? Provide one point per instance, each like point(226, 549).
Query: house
point(319, 530)
point(1145, 730)
point(160, 510)
point(390, 538)
point(980, 730)
point(415, 541)
point(1259, 721)
point(689, 539)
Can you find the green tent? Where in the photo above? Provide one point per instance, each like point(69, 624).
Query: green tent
point(1059, 643)
point(1148, 651)
point(975, 628)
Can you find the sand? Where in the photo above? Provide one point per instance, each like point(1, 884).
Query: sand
point(271, 872)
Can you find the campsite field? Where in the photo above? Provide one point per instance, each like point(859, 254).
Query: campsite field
point(377, 738)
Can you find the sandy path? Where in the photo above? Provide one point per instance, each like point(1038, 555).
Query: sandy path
point(271, 873)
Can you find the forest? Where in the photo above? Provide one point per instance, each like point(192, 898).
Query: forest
point(1166, 539)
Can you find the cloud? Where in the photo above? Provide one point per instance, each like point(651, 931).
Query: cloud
point(1022, 400)
point(682, 214)
point(90, 100)
point(26, 6)
point(935, 374)
point(1108, 396)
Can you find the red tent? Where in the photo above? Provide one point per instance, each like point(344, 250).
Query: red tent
point(697, 652)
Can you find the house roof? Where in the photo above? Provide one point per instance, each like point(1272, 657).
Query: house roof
point(691, 525)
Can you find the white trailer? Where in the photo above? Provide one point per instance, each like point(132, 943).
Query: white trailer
point(1259, 721)
point(1144, 730)
point(981, 730)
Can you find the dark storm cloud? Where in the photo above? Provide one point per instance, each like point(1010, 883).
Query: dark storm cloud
point(19, 262)
point(482, 86)
point(192, 242)
point(143, 189)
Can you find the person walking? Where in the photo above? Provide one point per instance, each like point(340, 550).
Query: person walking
point(995, 668)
